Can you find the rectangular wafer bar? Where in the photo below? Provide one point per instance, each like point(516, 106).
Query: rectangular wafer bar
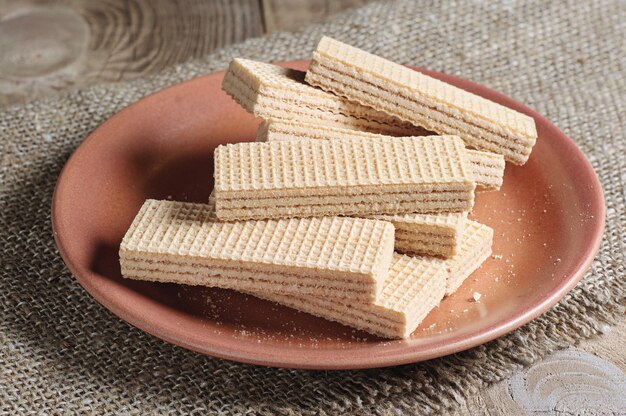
point(271, 91)
point(421, 100)
point(488, 167)
point(413, 287)
point(331, 177)
point(332, 256)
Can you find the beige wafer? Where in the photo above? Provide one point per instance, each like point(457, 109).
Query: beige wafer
point(284, 130)
point(331, 177)
point(412, 288)
point(332, 256)
point(488, 167)
point(422, 234)
point(422, 100)
point(269, 91)
point(430, 234)
point(474, 249)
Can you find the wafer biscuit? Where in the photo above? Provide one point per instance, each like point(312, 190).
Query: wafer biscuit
point(284, 130)
point(412, 288)
point(430, 234)
point(333, 256)
point(422, 100)
point(474, 249)
point(488, 167)
point(271, 91)
point(316, 178)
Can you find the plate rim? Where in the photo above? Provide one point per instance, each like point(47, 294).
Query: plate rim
point(406, 355)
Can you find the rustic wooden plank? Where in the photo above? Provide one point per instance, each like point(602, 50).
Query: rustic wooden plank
point(56, 45)
point(295, 14)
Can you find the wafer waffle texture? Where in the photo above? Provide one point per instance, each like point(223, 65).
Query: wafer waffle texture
point(183, 243)
point(474, 249)
point(427, 234)
point(422, 234)
point(284, 130)
point(317, 178)
point(488, 168)
point(413, 287)
point(421, 100)
point(270, 91)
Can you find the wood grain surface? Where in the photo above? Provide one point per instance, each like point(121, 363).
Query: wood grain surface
point(588, 379)
point(46, 46)
point(56, 45)
point(294, 15)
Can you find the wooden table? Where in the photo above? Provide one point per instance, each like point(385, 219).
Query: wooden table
point(66, 44)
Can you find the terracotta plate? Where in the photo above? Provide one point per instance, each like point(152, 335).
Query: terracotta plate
point(548, 222)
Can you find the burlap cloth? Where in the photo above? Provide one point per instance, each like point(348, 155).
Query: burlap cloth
point(61, 352)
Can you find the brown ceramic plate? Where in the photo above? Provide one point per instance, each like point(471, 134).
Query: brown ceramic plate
point(548, 220)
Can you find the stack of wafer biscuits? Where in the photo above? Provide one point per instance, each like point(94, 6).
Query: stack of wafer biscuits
point(270, 91)
point(432, 234)
point(339, 268)
point(347, 206)
point(414, 286)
